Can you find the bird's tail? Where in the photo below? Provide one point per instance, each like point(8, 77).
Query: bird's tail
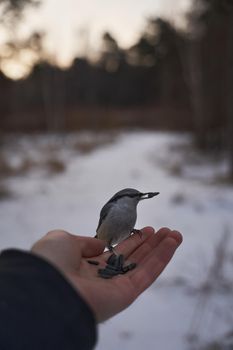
point(95, 236)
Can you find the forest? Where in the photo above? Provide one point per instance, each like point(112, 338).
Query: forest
point(170, 79)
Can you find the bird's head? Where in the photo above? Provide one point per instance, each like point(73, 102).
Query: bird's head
point(135, 195)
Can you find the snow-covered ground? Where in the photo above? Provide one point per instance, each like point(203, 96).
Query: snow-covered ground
point(189, 201)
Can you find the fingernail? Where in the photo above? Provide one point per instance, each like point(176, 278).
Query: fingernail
point(177, 236)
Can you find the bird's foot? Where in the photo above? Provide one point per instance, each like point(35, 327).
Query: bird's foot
point(139, 232)
point(112, 250)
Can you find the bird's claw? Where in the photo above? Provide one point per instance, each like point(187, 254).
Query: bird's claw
point(139, 232)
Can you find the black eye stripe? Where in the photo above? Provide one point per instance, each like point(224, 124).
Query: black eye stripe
point(129, 195)
point(133, 195)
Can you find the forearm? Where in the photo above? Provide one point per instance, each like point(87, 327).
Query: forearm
point(39, 309)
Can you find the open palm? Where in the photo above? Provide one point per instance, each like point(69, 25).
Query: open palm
point(69, 253)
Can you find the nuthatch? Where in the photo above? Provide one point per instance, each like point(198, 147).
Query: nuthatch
point(118, 216)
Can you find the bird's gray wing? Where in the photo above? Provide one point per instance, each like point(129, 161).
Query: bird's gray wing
point(103, 213)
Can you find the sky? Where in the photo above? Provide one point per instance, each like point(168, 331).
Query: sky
point(74, 27)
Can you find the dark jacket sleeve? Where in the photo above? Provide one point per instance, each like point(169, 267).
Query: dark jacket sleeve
point(39, 309)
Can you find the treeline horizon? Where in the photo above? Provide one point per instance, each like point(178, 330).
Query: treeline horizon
point(167, 80)
point(148, 75)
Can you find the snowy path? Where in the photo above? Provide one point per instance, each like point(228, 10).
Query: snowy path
point(72, 200)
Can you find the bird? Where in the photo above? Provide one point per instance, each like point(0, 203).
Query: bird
point(118, 216)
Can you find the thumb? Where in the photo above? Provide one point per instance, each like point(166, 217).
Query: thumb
point(91, 246)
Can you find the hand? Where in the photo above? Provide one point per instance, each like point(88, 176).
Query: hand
point(69, 253)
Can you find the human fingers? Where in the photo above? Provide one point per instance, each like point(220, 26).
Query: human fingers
point(144, 249)
point(154, 263)
point(90, 247)
point(127, 246)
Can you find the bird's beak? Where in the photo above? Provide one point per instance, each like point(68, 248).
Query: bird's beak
point(148, 195)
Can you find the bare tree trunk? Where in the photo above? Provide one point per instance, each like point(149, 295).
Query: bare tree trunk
point(46, 95)
point(197, 93)
point(230, 92)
